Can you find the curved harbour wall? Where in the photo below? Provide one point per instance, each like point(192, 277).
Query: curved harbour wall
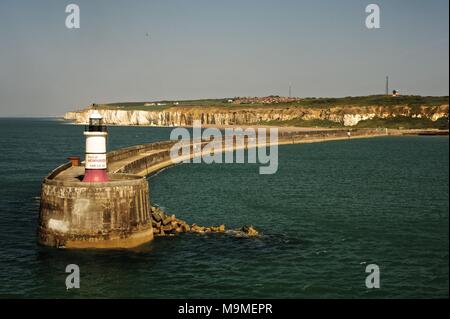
point(117, 214)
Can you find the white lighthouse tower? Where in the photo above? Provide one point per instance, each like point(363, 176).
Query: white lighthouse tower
point(95, 164)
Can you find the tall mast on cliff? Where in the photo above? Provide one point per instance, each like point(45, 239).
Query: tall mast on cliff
point(387, 85)
point(95, 163)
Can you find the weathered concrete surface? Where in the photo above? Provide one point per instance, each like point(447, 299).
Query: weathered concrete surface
point(115, 214)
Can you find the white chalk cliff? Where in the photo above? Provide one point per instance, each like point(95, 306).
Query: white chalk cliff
point(177, 116)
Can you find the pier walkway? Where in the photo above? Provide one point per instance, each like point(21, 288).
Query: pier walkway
point(146, 159)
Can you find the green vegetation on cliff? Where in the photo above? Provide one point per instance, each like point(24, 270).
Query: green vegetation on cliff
point(377, 100)
point(303, 123)
point(399, 122)
point(404, 122)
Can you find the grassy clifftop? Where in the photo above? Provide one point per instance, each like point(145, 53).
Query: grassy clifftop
point(360, 111)
point(399, 122)
point(360, 101)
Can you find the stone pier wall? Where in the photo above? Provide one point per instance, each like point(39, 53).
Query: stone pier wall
point(125, 153)
point(117, 214)
point(145, 163)
point(114, 214)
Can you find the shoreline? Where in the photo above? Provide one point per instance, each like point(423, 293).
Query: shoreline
point(289, 129)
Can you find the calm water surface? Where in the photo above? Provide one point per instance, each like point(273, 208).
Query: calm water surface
point(331, 209)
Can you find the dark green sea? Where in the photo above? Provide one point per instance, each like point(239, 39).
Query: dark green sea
point(331, 209)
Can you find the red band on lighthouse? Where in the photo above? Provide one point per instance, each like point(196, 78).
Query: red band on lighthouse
point(95, 164)
point(95, 176)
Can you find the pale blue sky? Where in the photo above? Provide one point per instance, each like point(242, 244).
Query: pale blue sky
point(202, 49)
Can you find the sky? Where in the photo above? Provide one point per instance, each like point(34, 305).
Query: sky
point(187, 49)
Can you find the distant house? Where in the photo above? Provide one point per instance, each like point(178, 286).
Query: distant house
point(175, 103)
point(149, 104)
point(395, 93)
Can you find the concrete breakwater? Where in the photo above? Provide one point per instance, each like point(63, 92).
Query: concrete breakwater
point(118, 213)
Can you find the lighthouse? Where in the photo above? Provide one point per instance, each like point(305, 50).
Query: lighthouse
point(95, 164)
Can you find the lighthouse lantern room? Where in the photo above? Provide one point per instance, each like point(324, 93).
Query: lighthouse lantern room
point(95, 164)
